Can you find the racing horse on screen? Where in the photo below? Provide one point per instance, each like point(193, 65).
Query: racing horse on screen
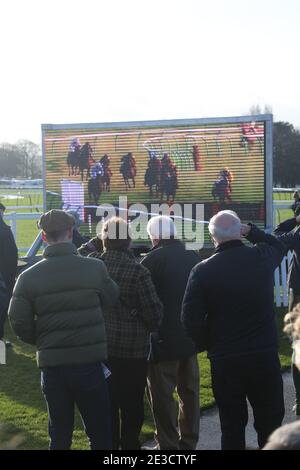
point(86, 160)
point(128, 170)
point(153, 173)
point(73, 157)
point(107, 173)
point(96, 183)
point(168, 178)
point(222, 188)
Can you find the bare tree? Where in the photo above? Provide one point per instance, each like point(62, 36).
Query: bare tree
point(31, 153)
point(257, 109)
point(11, 161)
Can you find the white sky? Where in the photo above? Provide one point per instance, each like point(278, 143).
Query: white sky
point(65, 61)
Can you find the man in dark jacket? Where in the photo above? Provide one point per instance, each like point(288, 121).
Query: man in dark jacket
point(228, 309)
point(292, 242)
point(8, 267)
point(58, 305)
point(174, 359)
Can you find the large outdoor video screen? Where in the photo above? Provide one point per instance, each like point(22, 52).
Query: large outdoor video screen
point(221, 165)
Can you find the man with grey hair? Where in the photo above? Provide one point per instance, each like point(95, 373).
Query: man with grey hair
point(225, 226)
point(173, 361)
point(228, 310)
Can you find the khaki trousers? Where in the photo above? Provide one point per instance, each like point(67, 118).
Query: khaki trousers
point(163, 378)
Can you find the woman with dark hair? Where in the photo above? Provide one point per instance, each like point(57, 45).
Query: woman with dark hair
point(128, 326)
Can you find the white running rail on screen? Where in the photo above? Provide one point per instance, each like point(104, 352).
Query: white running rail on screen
point(280, 276)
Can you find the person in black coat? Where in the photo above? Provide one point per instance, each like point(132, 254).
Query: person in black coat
point(173, 360)
point(288, 233)
point(228, 309)
point(8, 267)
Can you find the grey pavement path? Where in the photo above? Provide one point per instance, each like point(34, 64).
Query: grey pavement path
point(210, 434)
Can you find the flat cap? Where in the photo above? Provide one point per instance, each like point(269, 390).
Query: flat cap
point(56, 220)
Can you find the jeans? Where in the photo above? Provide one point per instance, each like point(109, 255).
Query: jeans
point(85, 386)
point(254, 376)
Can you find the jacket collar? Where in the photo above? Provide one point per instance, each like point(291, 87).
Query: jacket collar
point(60, 249)
point(229, 245)
point(167, 242)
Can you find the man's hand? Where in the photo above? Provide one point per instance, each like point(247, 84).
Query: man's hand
point(245, 229)
point(298, 219)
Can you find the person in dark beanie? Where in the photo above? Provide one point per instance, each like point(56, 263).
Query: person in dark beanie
point(58, 305)
point(296, 205)
point(128, 325)
point(8, 267)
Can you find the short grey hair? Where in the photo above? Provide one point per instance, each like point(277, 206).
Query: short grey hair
point(286, 437)
point(225, 226)
point(161, 227)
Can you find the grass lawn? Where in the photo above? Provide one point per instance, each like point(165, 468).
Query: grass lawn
point(23, 411)
point(26, 229)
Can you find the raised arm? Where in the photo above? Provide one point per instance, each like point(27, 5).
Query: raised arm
point(270, 247)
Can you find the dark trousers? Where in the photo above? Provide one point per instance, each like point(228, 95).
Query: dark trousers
point(256, 377)
point(127, 387)
point(85, 386)
point(294, 299)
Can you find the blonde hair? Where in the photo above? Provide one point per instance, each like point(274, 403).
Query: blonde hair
point(292, 328)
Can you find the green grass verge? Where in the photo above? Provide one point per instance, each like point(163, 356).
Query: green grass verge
point(26, 229)
point(23, 410)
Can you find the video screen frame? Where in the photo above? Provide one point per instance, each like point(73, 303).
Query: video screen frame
point(267, 119)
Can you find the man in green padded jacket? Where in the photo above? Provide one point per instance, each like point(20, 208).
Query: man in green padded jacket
point(58, 305)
